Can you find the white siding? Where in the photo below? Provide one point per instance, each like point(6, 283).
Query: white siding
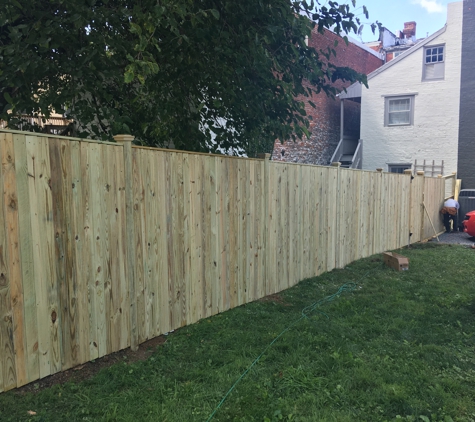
point(434, 135)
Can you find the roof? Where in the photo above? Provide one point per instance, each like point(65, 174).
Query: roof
point(364, 47)
point(354, 90)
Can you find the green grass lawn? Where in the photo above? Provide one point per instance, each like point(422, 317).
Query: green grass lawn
point(399, 347)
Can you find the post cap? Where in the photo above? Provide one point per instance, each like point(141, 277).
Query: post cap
point(379, 169)
point(124, 138)
point(408, 171)
point(263, 156)
point(336, 164)
point(420, 173)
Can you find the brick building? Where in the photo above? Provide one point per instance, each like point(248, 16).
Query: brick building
point(325, 118)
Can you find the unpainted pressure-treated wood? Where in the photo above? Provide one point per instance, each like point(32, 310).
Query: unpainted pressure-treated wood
point(8, 376)
point(103, 246)
point(87, 251)
point(260, 195)
point(26, 257)
point(79, 258)
point(129, 175)
point(14, 257)
point(332, 216)
point(320, 219)
point(61, 183)
point(214, 222)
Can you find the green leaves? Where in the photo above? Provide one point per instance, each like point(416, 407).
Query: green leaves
point(7, 97)
point(129, 75)
point(209, 75)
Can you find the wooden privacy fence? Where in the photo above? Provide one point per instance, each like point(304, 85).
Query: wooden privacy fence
point(105, 245)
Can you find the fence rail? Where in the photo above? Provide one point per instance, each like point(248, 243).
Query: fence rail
point(103, 246)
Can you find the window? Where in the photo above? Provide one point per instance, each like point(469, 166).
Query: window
point(399, 168)
point(434, 63)
point(399, 111)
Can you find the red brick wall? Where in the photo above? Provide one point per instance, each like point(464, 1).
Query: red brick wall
point(376, 47)
point(325, 118)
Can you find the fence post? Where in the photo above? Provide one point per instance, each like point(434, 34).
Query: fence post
point(421, 174)
point(266, 158)
point(126, 141)
point(408, 172)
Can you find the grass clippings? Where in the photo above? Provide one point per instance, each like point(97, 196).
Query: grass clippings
point(400, 347)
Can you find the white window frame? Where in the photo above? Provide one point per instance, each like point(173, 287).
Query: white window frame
point(388, 99)
point(407, 166)
point(437, 67)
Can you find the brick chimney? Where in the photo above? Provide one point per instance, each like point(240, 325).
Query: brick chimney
point(409, 29)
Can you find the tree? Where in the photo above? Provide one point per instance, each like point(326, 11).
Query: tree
point(171, 72)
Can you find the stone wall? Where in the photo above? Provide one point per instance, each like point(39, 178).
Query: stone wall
point(325, 117)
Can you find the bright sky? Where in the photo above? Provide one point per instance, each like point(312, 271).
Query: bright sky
point(430, 15)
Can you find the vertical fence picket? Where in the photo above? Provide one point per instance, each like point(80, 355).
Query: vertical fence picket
point(8, 373)
point(14, 258)
point(26, 256)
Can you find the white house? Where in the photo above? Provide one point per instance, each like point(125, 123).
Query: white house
point(418, 105)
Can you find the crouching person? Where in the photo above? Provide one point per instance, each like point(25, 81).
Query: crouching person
point(449, 212)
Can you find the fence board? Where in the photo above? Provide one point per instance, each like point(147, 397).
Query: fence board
point(206, 234)
point(140, 237)
point(321, 207)
point(162, 279)
point(79, 257)
point(332, 215)
point(248, 230)
point(105, 268)
point(215, 228)
point(294, 213)
point(181, 299)
point(88, 236)
point(416, 206)
point(272, 224)
point(115, 291)
point(380, 212)
point(224, 237)
point(8, 376)
point(14, 256)
point(60, 184)
point(233, 234)
point(27, 264)
point(100, 244)
point(260, 200)
point(253, 227)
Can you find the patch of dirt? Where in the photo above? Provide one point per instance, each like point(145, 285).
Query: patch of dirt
point(89, 369)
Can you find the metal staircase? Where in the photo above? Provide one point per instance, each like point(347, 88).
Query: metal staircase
point(349, 153)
